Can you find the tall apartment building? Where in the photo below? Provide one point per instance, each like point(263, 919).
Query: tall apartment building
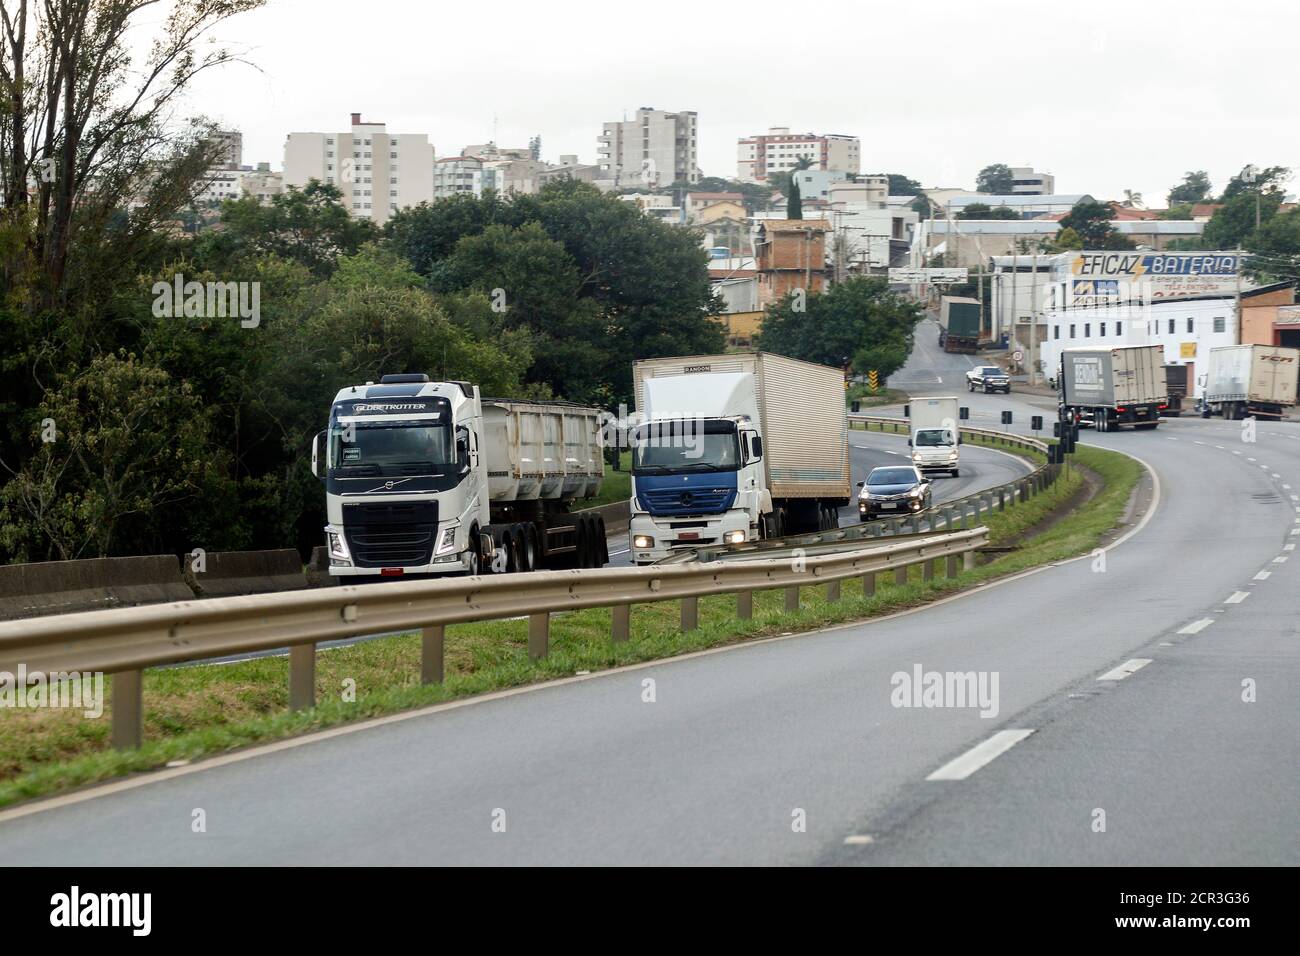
point(231, 144)
point(777, 150)
point(654, 149)
point(378, 172)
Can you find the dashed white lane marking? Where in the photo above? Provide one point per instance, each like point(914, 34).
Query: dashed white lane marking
point(1238, 596)
point(962, 767)
point(1170, 438)
point(1196, 626)
point(1263, 575)
point(1125, 669)
point(624, 551)
point(1288, 547)
point(1295, 530)
point(1220, 447)
point(859, 839)
point(1250, 459)
point(1280, 559)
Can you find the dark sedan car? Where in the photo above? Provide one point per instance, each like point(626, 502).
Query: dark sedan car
point(893, 490)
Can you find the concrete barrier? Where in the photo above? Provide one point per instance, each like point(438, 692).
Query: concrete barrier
point(318, 569)
point(617, 515)
point(61, 587)
point(247, 572)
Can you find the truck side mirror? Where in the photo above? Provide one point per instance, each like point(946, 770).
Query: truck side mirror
point(909, 443)
point(318, 455)
point(757, 445)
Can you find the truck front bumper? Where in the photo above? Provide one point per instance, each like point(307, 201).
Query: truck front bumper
point(655, 538)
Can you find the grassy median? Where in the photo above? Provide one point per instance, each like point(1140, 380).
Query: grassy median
point(192, 712)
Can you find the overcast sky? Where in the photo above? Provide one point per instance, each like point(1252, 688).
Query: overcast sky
point(1105, 95)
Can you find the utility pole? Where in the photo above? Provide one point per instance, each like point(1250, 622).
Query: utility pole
point(1033, 327)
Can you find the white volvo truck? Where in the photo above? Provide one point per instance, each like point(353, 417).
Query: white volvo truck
point(427, 478)
point(732, 448)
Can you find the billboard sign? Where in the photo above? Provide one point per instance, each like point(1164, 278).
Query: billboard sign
point(935, 276)
point(1097, 278)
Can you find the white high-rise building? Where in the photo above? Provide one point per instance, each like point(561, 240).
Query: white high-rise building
point(378, 172)
point(655, 149)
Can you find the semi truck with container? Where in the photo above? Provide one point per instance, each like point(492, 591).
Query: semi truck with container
point(959, 324)
point(934, 434)
point(733, 448)
point(429, 478)
point(1250, 380)
point(1108, 387)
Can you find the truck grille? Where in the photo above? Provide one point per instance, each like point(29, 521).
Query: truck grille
point(393, 534)
point(691, 501)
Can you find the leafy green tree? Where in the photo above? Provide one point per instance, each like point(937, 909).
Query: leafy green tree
point(1068, 239)
point(1276, 247)
point(859, 319)
point(900, 185)
point(1233, 224)
point(130, 446)
point(995, 179)
point(1267, 180)
point(979, 210)
point(1194, 188)
point(309, 225)
point(794, 205)
point(1092, 222)
point(1179, 212)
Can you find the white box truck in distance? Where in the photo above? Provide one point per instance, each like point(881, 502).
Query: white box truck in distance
point(1255, 380)
point(935, 435)
point(732, 448)
point(427, 478)
point(1110, 386)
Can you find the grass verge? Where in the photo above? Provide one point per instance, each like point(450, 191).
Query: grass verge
point(192, 712)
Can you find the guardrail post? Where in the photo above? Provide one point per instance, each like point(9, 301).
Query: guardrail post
point(128, 709)
point(690, 613)
point(302, 676)
point(977, 510)
point(744, 605)
point(951, 569)
point(927, 571)
point(833, 590)
point(620, 623)
point(431, 654)
point(900, 574)
point(1002, 500)
point(869, 584)
point(968, 561)
point(539, 635)
point(916, 524)
point(792, 598)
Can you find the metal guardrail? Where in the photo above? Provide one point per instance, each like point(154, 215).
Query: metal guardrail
point(125, 641)
point(960, 513)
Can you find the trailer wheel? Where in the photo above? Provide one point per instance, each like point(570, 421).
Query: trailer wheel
point(832, 518)
point(603, 537)
point(535, 558)
point(525, 548)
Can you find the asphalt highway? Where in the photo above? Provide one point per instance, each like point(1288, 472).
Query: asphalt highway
point(1144, 712)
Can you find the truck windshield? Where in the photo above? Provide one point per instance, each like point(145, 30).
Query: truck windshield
point(674, 446)
point(391, 448)
point(932, 437)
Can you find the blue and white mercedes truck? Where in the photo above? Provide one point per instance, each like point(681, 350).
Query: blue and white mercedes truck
point(733, 448)
point(427, 478)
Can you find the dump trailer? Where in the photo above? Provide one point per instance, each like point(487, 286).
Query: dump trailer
point(959, 324)
point(732, 448)
point(1251, 380)
point(1107, 387)
point(428, 478)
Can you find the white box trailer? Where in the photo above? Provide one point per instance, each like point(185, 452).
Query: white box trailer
point(732, 448)
point(935, 434)
point(802, 416)
point(1109, 386)
point(1258, 380)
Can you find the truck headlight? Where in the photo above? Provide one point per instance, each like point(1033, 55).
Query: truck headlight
point(338, 546)
point(448, 541)
point(642, 541)
point(952, 456)
point(734, 537)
